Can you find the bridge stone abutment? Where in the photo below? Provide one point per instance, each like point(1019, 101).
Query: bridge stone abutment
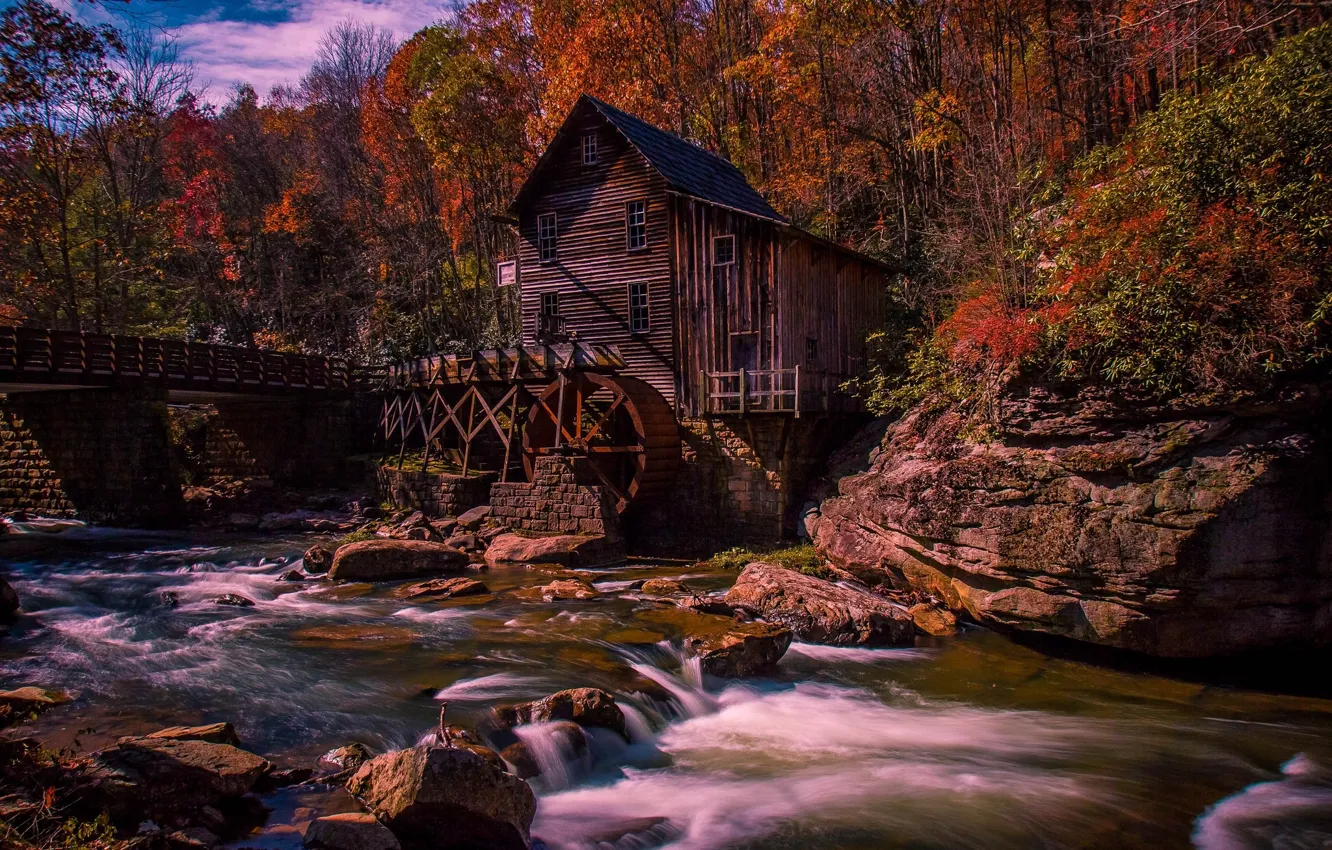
point(103, 455)
point(293, 442)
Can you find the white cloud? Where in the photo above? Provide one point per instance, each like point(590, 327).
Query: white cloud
point(227, 52)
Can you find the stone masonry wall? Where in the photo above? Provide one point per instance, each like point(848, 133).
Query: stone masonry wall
point(435, 494)
point(742, 483)
point(297, 443)
point(558, 500)
point(102, 455)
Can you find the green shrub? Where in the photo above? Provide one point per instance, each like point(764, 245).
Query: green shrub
point(803, 558)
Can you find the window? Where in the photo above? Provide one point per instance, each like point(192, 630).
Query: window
point(546, 237)
point(590, 149)
point(811, 351)
point(638, 308)
point(723, 250)
point(635, 224)
point(550, 303)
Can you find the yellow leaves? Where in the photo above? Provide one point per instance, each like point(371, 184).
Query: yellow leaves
point(936, 121)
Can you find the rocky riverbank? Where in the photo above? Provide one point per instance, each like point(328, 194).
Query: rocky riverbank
point(1178, 531)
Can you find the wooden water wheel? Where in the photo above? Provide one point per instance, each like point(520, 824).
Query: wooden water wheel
point(623, 426)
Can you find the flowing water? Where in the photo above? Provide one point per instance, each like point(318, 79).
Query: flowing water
point(972, 741)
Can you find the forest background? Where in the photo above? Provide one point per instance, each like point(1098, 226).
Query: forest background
point(1125, 191)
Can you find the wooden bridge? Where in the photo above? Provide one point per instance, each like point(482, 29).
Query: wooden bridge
point(34, 359)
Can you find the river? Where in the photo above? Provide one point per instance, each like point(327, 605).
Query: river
point(972, 741)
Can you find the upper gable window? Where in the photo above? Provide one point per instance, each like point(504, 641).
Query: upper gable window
point(723, 250)
point(591, 155)
point(635, 224)
point(547, 237)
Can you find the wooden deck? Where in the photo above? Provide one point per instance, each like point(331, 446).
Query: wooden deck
point(35, 359)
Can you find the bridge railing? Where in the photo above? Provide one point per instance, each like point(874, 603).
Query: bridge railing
point(38, 355)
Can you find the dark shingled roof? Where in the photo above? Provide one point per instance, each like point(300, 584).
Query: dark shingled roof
point(688, 168)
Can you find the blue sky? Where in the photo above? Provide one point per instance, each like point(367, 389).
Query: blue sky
point(262, 42)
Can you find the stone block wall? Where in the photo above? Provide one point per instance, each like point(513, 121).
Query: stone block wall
point(558, 500)
point(299, 443)
point(103, 455)
point(434, 494)
point(742, 482)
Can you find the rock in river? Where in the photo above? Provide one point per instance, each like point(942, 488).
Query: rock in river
point(819, 611)
point(584, 706)
point(9, 603)
point(442, 797)
point(385, 560)
point(445, 588)
point(663, 586)
point(155, 777)
point(569, 550)
point(317, 560)
point(730, 649)
point(213, 733)
point(350, 831)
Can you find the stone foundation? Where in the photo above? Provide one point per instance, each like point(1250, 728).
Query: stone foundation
point(558, 500)
point(742, 482)
point(435, 494)
point(101, 455)
point(294, 443)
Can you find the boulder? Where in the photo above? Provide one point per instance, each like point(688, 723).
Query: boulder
point(569, 588)
point(473, 519)
point(933, 620)
point(156, 777)
point(444, 797)
point(9, 603)
point(292, 576)
point(348, 757)
point(663, 586)
point(466, 541)
point(234, 600)
point(568, 550)
point(1191, 529)
point(445, 588)
point(350, 831)
point(32, 699)
point(739, 649)
point(386, 560)
point(195, 838)
point(318, 560)
point(424, 532)
point(213, 733)
point(583, 706)
point(819, 611)
point(706, 605)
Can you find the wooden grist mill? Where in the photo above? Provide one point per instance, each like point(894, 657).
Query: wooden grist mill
point(501, 409)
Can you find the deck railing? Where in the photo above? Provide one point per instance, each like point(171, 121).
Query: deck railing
point(746, 391)
point(41, 356)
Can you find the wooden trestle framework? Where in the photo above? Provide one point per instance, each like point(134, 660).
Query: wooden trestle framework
point(567, 399)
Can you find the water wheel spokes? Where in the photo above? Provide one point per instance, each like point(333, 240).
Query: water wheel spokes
point(621, 425)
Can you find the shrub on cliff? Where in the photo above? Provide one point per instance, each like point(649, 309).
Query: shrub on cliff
point(1196, 257)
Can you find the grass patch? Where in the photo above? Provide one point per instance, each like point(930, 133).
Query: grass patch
point(357, 536)
point(803, 559)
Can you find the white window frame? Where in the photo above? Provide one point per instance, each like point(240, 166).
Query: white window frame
point(550, 300)
point(644, 305)
point(718, 240)
point(629, 225)
point(554, 237)
point(591, 148)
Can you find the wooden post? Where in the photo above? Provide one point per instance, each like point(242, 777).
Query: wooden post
point(559, 413)
point(797, 391)
point(743, 392)
point(508, 440)
point(703, 392)
point(471, 419)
